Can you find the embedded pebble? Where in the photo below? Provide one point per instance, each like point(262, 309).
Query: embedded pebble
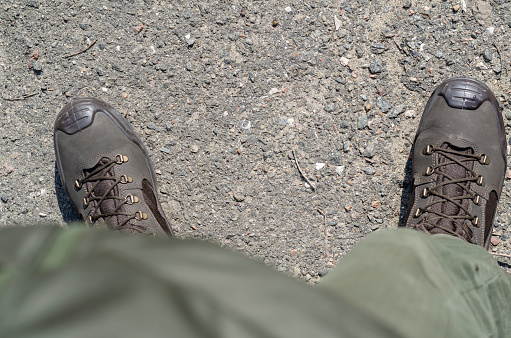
point(495, 240)
point(487, 55)
point(375, 67)
point(362, 121)
point(369, 151)
point(346, 146)
point(383, 104)
point(32, 3)
point(369, 170)
point(38, 67)
point(396, 111)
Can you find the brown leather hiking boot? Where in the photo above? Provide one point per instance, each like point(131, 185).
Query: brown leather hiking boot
point(458, 163)
point(105, 169)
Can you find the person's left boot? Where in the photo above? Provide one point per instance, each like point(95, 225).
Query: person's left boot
point(458, 164)
point(105, 169)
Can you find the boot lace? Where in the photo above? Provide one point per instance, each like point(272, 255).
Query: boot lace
point(102, 196)
point(451, 186)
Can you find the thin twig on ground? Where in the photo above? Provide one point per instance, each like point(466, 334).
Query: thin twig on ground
point(301, 172)
point(399, 47)
point(81, 51)
point(324, 219)
point(501, 255)
point(23, 97)
point(500, 57)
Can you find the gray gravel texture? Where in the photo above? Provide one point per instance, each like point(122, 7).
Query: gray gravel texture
point(222, 92)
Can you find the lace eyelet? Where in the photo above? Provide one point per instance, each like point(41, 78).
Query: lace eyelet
point(120, 159)
point(90, 220)
point(477, 200)
point(484, 160)
point(480, 181)
point(125, 179)
point(428, 171)
point(85, 203)
point(428, 150)
point(417, 213)
point(78, 185)
point(425, 193)
point(130, 199)
point(475, 221)
point(139, 215)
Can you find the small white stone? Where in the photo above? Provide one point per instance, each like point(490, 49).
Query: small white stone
point(246, 125)
point(273, 91)
point(490, 30)
point(481, 66)
point(319, 166)
point(104, 89)
point(339, 169)
point(337, 22)
point(344, 61)
point(288, 9)
point(409, 113)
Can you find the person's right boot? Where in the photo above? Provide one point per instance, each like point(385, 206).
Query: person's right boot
point(459, 163)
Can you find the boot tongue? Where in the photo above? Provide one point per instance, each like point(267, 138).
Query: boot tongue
point(108, 205)
point(455, 171)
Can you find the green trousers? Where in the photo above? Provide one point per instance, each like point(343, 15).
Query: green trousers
point(396, 283)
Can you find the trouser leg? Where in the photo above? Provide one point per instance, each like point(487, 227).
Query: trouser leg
point(81, 283)
point(425, 286)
